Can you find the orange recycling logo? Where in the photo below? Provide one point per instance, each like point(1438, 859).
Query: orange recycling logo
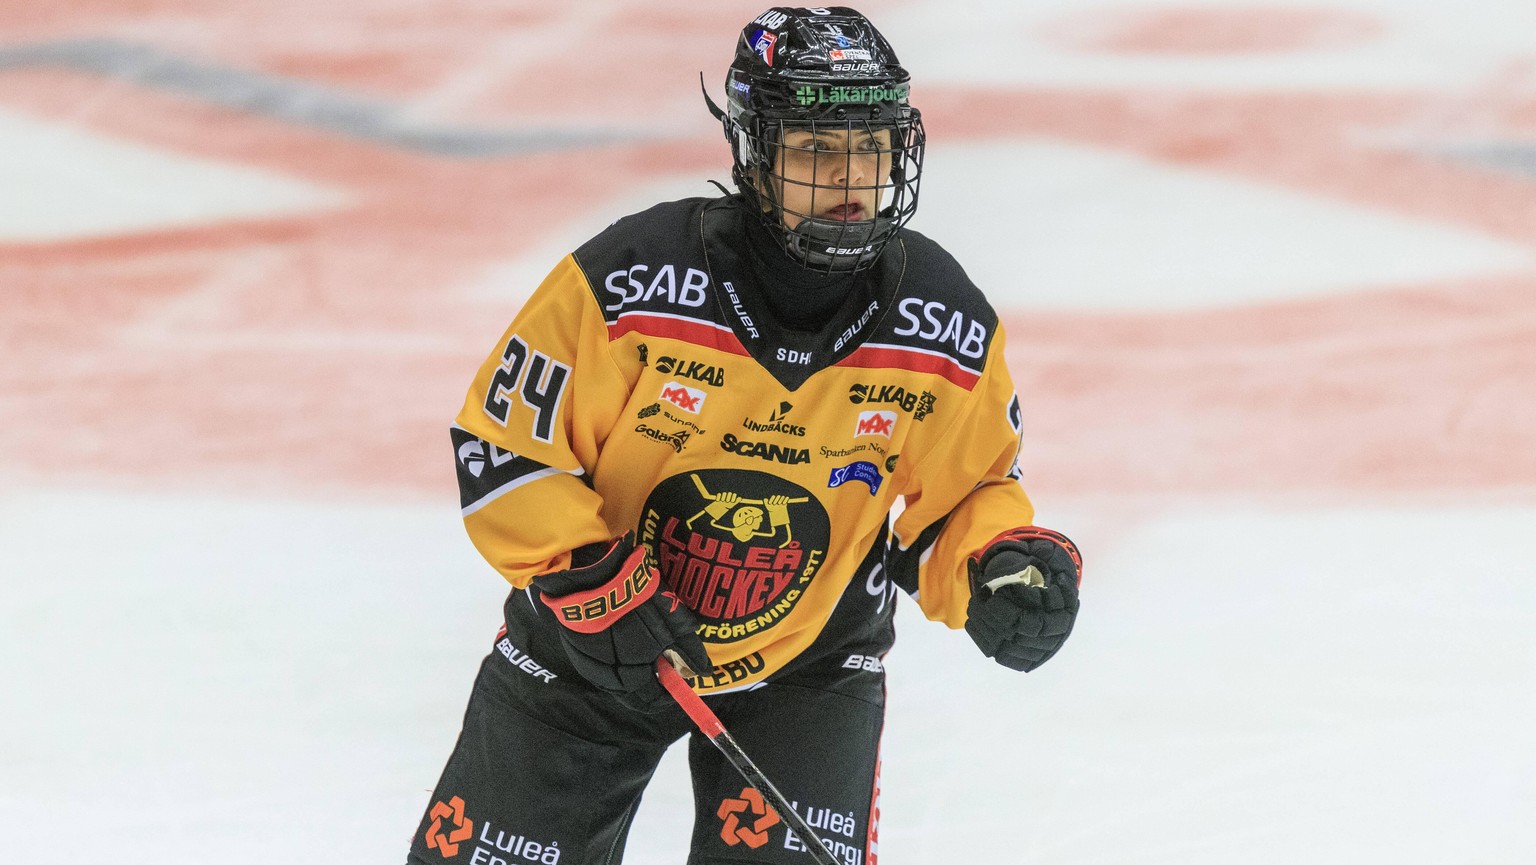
point(448, 843)
point(750, 805)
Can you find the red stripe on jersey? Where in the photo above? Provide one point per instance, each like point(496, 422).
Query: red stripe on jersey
point(688, 330)
point(916, 360)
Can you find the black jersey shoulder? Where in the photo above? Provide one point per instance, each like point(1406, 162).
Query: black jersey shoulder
point(651, 263)
point(937, 311)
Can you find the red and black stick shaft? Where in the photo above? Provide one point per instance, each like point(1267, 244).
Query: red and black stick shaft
point(711, 727)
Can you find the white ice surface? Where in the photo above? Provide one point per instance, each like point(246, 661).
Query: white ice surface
point(1097, 229)
point(63, 182)
point(1420, 44)
point(258, 682)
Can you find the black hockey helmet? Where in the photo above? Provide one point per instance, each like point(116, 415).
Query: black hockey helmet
point(829, 72)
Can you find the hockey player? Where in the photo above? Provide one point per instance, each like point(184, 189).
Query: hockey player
point(692, 438)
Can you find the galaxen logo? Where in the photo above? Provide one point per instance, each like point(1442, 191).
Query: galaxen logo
point(463, 827)
point(749, 807)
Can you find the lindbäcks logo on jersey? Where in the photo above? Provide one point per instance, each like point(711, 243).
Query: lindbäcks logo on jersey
point(445, 837)
point(738, 547)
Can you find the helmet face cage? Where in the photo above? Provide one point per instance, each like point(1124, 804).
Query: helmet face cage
point(867, 171)
point(825, 143)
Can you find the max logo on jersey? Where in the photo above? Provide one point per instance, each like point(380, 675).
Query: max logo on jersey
point(875, 423)
point(443, 839)
point(686, 398)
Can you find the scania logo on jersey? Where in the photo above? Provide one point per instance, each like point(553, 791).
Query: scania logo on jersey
point(640, 284)
point(875, 423)
point(684, 397)
point(919, 404)
point(738, 547)
point(965, 334)
point(764, 450)
point(696, 370)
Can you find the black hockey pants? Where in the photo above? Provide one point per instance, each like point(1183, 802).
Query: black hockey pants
point(550, 770)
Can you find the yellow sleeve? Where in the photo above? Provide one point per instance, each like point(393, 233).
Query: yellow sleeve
point(967, 492)
point(533, 423)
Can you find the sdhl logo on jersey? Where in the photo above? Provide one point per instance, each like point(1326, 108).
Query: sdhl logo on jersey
point(684, 397)
point(875, 423)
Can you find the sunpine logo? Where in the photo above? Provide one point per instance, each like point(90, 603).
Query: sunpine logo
point(750, 807)
point(447, 843)
point(684, 397)
point(875, 423)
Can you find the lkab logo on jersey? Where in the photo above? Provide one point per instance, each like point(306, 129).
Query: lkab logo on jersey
point(747, 819)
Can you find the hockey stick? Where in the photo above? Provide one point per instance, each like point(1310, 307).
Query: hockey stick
point(711, 727)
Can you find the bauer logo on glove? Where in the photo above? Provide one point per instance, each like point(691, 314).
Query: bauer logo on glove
point(595, 609)
point(618, 618)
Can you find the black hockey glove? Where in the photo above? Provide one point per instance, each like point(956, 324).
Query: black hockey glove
point(1023, 596)
point(618, 618)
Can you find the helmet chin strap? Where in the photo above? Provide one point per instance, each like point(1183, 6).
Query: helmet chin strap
point(835, 246)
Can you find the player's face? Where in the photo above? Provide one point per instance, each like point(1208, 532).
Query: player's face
point(834, 173)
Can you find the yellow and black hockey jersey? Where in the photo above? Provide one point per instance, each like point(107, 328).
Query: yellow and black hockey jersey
point(644, 386)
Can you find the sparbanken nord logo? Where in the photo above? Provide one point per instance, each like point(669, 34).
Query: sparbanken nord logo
point(463, 827)
point(752, 807)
